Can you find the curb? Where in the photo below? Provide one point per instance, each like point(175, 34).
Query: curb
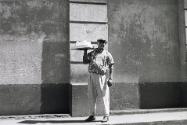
point(143, 111)
point(18, 117)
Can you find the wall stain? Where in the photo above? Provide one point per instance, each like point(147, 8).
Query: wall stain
point(144, 39)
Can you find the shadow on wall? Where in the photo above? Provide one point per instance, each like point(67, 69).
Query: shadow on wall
point(55, 77)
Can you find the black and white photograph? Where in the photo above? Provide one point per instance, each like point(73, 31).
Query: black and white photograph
point(93, 62)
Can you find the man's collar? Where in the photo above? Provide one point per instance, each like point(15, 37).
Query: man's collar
point(99, 50)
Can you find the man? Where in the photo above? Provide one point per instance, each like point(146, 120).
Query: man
point(100, 78)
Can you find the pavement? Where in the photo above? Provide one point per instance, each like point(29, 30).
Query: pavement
point(174, 117)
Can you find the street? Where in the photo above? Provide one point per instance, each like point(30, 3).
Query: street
point(159, 118)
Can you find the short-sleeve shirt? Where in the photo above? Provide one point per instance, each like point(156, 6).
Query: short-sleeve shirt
point(100, 62)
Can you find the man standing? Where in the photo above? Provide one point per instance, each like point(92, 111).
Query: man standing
point(100, 78)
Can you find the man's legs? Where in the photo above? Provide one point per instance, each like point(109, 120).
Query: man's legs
point(92, 105)
point(92, 94)
point(97, 86)
point(106, 102)
point(105, 96)
point(92, 98)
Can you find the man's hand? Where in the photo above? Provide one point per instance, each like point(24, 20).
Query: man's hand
point(109, 82)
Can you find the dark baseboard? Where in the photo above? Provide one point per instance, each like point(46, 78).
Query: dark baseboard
point(160, 95)
point(23, 99)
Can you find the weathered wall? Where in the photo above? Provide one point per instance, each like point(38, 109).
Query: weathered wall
point(144, 41)
point(34, 50)
point(183, 38)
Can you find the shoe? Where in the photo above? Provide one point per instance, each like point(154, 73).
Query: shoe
point(90, 118)
point(105, 119)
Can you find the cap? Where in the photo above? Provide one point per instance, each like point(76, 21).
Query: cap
point(102, 41)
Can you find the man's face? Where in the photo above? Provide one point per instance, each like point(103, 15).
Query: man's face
point(101, 45)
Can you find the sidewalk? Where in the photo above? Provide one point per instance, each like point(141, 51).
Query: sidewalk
point(158, 118)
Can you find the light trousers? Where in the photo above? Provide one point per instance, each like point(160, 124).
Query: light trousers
point(98, 89)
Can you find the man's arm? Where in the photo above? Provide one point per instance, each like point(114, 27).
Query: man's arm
point(111, 67)
point(111, 72)
point(86, 59)
point(110, 62)
point(110, 75)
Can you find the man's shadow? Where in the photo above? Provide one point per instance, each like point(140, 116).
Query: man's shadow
point(55, 121)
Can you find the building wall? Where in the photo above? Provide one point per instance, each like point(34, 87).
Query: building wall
point(183, 39)
point(34, 56)
point(144, 39)
point(41, 73)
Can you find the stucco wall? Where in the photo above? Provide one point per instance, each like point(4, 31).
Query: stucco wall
point(34, 50)
point(183, 38)
point(144, 40)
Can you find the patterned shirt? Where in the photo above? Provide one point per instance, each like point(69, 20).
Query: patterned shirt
point(100, 62)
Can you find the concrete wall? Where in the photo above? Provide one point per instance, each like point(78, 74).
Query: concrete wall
point(34, 52)
point(144, 39)
point(183, 37)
